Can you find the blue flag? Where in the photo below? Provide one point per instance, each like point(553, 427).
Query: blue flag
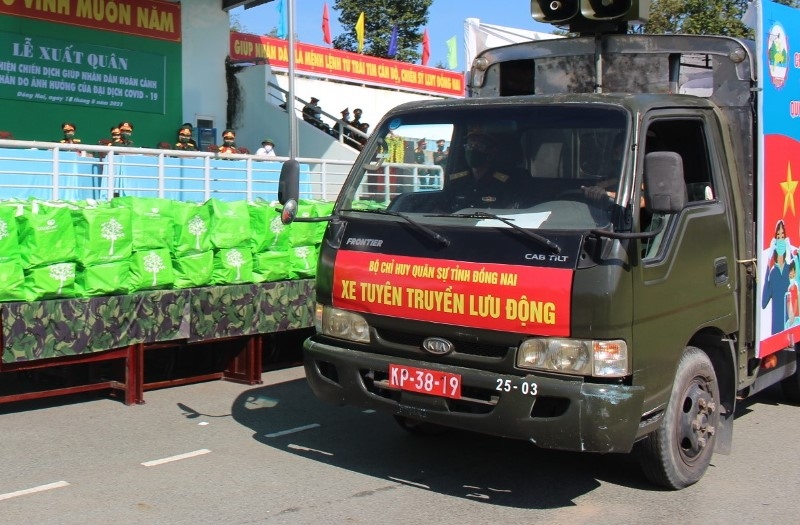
point(282, 32)
point(393, 42)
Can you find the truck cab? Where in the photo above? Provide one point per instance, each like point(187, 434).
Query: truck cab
point(578, 272)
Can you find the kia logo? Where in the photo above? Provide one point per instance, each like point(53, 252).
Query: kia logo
point(437, 346)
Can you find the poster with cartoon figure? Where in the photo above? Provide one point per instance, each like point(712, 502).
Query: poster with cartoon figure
point(778, 48)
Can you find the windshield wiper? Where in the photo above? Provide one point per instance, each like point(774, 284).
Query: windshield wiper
point(555, 248)
point(444, 241)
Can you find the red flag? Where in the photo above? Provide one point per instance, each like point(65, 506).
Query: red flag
point(326, 24)
point(426, 48)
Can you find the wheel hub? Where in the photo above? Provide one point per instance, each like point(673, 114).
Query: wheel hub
point(694, 428)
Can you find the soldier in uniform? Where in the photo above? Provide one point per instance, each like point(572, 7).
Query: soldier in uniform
point(185, 140)
point(228, 142)
point(116, 137)
point(125, 131)
point(482, 186)
point(68, 128)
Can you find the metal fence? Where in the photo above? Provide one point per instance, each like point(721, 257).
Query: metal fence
point(72, 172)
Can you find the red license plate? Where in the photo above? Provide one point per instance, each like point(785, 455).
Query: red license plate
point(425, 381)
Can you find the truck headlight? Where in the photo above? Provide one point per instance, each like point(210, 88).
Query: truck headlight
point(575, 356)
point(341, 323)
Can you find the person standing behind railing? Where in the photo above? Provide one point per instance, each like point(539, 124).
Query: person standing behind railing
point(185, 141)
point(228, 142)
point(125, 131)
point(267, 149)
point(340, 128)
point(68, 128)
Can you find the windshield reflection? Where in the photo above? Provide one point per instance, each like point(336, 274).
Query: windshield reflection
point(545, 167)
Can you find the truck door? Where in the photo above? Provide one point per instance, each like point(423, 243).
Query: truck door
point(687, 274)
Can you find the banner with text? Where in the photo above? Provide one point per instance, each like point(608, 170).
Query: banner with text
point(57, 71)
point(505, 297)
point(148, 18)
point(346, 66)
point(778, 48)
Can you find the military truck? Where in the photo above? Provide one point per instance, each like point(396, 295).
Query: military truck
point(602, 264)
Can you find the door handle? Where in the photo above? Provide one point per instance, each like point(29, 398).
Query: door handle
point(720, 271)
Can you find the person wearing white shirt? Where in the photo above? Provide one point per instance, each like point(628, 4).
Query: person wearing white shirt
point(267, 148)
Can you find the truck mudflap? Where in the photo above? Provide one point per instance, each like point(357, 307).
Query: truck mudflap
point(553, 413)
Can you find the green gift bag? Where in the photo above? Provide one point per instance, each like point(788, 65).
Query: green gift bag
point(151, 269)
point(151, 220)
point(321, 209)
point(103, 234)
point(304, 233)
point(46, 234)
point(12, 281)
point(9, 240)
point(232, 265)
point(194, 269)
point(230, 223)
point(50, 282)
point(303, 262)
point(103, 279)
point(267, 230)
point(271, 266)
point(192, 228)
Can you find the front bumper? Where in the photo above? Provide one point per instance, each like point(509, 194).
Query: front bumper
point(567, 413)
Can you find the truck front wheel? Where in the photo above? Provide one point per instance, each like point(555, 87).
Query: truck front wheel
point(679, 452)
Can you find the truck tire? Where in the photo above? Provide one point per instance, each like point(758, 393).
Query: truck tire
point(679, 452)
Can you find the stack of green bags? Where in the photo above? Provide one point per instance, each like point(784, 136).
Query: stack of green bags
point(59, 249)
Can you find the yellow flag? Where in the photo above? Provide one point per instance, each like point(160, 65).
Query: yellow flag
point(360, 32)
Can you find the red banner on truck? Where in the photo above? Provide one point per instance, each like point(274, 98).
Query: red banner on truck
point(503, 297)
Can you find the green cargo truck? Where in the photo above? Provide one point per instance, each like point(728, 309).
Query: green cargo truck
point(603, 261)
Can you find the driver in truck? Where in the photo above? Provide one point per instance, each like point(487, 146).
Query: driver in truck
point(482, 185)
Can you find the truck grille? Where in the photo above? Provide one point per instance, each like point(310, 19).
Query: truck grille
point(461, 347)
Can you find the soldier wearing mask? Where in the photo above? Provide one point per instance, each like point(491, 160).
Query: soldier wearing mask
point(185, 140)
point(228, 142)
point(68, 128)
point(481, 185)
point(125, 132)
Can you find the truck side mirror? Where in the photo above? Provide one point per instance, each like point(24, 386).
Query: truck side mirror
point(289, 190)
point(664, 187)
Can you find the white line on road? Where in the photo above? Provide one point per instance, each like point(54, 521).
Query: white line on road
point(292, 430)
point(406, 482)
point(306, 449)
point(176, 458)
point(40, 488)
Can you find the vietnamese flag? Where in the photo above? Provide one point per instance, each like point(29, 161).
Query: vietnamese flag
point(426, 48)
point(326, 24)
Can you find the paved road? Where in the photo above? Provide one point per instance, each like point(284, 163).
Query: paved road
point(219, 452)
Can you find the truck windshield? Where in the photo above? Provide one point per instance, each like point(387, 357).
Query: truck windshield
point(547, 167)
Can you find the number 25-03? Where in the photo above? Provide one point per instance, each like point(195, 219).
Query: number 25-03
point(526, 388)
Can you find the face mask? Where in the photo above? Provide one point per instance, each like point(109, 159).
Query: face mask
point(476, 158)
point(440, 148)
point(69, 134)
point(126, 134)
point(184, 139)
point(780, 246)
point(267, 148)
point(228, 142)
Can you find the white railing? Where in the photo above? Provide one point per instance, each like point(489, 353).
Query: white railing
point(55, 171)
